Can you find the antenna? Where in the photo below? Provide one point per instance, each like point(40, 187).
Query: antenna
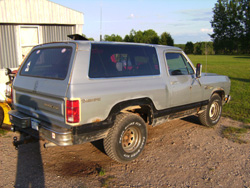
point(101, 22)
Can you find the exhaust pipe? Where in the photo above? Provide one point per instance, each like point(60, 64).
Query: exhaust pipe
point(49, 144)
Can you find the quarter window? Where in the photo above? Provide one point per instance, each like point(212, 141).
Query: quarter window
point(178, 65)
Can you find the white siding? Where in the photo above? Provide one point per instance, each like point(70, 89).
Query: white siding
point(38, 12)
point(8, 53)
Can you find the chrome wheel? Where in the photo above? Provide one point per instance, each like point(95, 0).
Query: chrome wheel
point(211, 116)
point(214, 111)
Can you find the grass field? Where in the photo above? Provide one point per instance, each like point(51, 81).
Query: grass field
point(237, 68)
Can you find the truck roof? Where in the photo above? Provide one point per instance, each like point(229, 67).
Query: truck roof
point(82, 44)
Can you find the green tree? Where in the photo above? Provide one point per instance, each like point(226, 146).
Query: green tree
point(147, 36)
point(202, 48)
point(219, 24)
point(139, 37)
point(245, 39)
point(91, 39)
point(130, 37)
point(198, 48)
point(231, 26)
point(113, 37)
point(166, 39)
point(189, 48)
point(150, 37)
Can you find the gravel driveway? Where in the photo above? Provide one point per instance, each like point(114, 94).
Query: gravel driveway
point(180, 153)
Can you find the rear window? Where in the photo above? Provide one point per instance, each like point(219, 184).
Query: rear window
point(48, 63)
point(109, 61)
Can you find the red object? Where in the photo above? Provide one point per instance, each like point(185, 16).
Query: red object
point(113, 59)
point(14, 71)
point(72, 111)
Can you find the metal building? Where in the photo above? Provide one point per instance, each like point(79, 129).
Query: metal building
point(26, 23)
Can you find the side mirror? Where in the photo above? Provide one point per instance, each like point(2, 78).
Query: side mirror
point(198, 70)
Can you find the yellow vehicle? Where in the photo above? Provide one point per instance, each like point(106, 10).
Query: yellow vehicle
point(5, 98)
point(4, 117)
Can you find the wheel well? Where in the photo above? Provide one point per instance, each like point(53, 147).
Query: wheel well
point(221, 93)
point(144, 111)
point(143, 107)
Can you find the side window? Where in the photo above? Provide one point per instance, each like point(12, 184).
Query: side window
point(178, 65)
point(109, 60)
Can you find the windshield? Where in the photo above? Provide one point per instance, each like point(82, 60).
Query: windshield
point(48, 63)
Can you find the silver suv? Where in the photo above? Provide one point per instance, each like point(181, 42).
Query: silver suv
point(81, 91)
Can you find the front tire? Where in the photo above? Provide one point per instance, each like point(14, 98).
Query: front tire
point(211, 116)
point(127, 138)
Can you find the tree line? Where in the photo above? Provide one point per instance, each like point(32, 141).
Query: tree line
point(148, 36)
point(198, 48)
point(151, 37)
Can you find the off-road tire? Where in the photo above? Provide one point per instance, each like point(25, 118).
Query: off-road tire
point(211, 116)
point(1, 116)
point(127, 138)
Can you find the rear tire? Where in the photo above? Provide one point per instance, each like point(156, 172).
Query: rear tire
point(211, 116)
point(1, 116)
point(127, 138)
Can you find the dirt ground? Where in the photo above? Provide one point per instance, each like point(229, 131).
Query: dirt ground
point(180, 153)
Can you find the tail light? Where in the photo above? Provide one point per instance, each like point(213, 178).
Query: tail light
point(73, 111)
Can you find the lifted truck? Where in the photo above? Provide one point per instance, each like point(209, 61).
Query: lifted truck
point(81, 91)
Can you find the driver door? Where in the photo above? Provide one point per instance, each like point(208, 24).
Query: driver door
point(185, 88)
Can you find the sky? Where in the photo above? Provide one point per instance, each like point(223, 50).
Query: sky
point(185, 20)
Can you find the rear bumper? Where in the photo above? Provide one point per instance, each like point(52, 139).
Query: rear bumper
point(56, 134)
point(23, 123)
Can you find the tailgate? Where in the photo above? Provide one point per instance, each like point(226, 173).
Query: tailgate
point(42, 82)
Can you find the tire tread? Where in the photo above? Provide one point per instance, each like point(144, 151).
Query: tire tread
point(110, 141)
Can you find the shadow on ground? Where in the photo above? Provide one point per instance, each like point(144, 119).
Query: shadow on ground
point(30, 172)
